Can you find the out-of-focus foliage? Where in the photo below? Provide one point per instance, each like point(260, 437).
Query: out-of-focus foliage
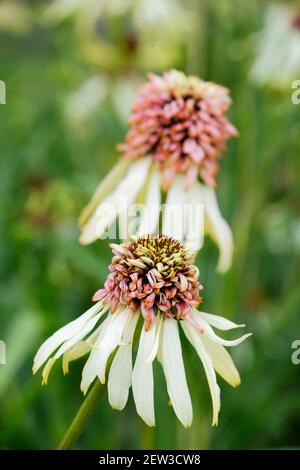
point(70, 68)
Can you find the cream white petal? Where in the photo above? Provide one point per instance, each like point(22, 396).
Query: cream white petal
point(174, 371)
point(194, 218)
point(159, 349)
point(222, 362)
point(85, 330)
point(119, 377)
point(218, 322)
point(117, 202)
point(76, 352)
point(142, 378)
point(63, 334)
point(194, 337)
point(209, 332)
point(154, 352)
point(217, 227)
point(95, 334)
point(47, 369)
point(106, 186)
point(102, 218)
point(68, 344)
point(150, 216)
point(110, 341)
point(173, 215)
point(89, 372)
point(80, 349)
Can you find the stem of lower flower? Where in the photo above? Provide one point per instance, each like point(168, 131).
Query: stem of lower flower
point(147, 437)
point(82, 417)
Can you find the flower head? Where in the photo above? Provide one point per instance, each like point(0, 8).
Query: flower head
point(151, 274)
point(152, 280)
point(180, 121)
point(178, 133)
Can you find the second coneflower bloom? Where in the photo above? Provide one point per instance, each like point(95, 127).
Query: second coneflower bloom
point(277, 61)
point(178, 132)
point(152, 289)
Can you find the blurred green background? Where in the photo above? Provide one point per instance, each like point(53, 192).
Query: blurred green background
point(71, 68)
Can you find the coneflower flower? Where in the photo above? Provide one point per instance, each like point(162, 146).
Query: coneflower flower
point(277, 63)
point(152, 281)
point(177, 136)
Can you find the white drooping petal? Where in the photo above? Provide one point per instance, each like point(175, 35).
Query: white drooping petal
point(119, 377)
point(110, 340)
point(87, 328)
point(222, 362)
point(142, 378)
point(89, 372)
point(76, 352)
point(217, 227)
point(68, 344)
point(106, 186)
point(219, 322)
point(154, 352)
point(174, 371)
point(80, 349)
point(173, 215)
point(47, 370)
point(209, 332)
point(150, 215)
point(194, 337)
point(116, 203)
point(101, 219)
point(194, 218)
point(159, 348)
point(63, 334)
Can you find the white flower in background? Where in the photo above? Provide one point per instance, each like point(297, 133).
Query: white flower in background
point(149, 34)
point(15, 17)
point(123, 93)
point(277, 62)
point(85, 101)
point(152, 281)
point(177, 136)
point(82, 103)
point(156, 14)
point(145, 13)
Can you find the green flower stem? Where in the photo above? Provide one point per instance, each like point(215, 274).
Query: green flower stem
point(82, 417)
point(147, 434)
